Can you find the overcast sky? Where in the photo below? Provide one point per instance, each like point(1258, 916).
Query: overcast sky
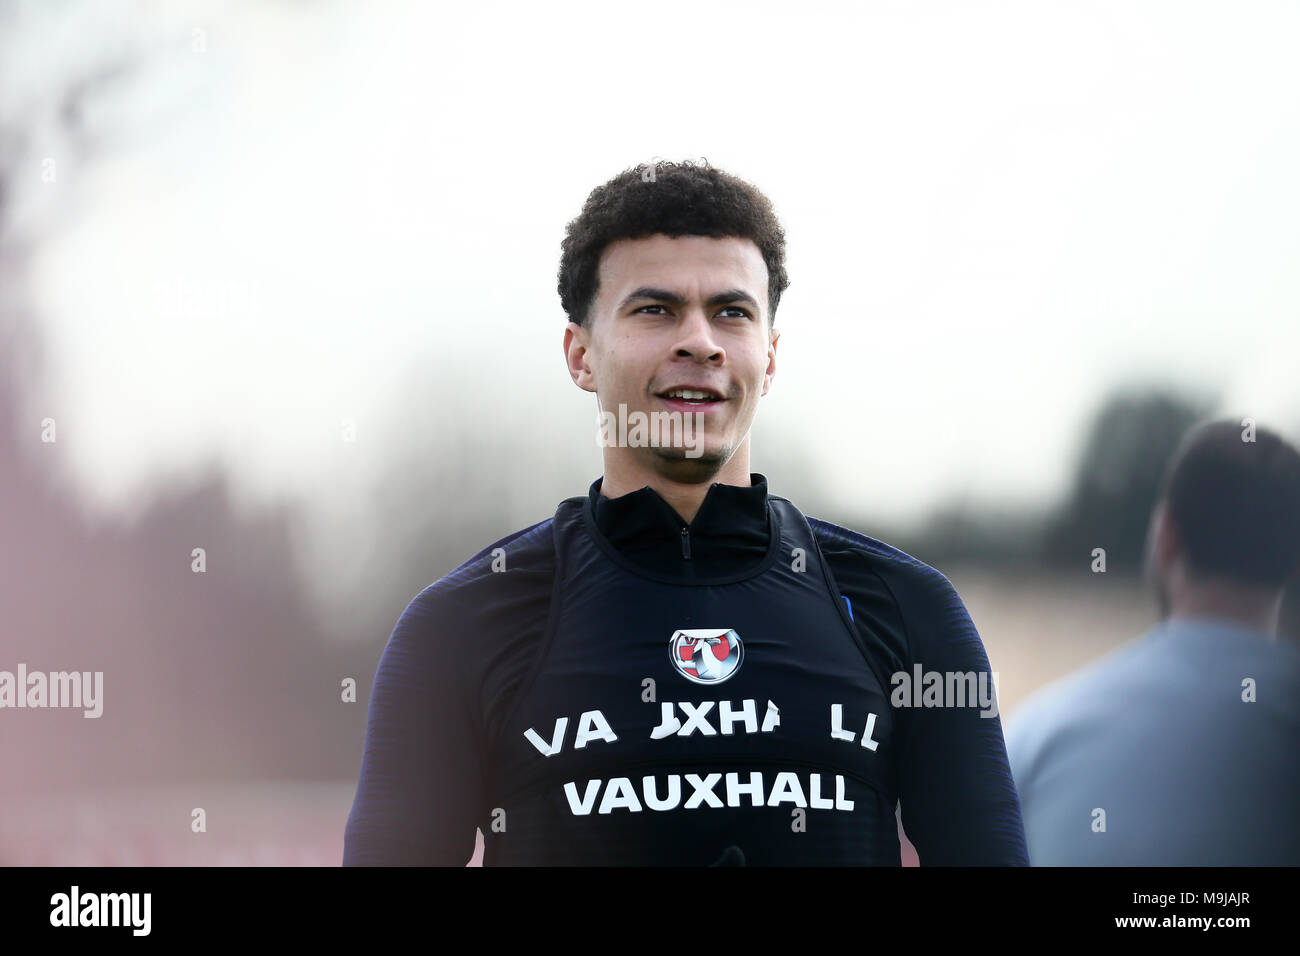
point(995, 214)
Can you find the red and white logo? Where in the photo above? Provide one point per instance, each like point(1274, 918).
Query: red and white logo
point(706, 655)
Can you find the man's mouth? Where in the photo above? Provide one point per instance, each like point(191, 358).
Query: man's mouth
point(692, 397)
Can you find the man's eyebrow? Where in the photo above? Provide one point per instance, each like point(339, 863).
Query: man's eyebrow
point(672, 298)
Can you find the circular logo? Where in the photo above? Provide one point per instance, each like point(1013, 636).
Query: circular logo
point(706, 655)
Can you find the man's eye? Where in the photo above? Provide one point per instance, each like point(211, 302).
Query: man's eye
point(730, 308)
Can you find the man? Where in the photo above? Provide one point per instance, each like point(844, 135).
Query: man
point(679, 668)
point(1183, 747)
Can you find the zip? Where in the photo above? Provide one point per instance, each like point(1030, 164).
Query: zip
point(686, 543)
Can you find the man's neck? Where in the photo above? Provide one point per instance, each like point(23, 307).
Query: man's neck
point(685, 497)
point(1256, 609)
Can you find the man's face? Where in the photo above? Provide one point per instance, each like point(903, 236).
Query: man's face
point(689, 311)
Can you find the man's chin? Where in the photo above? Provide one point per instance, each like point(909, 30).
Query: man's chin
point(690, 465)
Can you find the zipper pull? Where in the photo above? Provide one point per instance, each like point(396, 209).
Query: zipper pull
point(686, 542)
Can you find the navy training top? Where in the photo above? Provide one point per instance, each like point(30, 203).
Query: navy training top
point(616, 686)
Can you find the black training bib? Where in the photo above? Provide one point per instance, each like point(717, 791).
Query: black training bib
point(667, 719)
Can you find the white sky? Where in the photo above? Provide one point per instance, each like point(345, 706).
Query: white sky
point(995, 213)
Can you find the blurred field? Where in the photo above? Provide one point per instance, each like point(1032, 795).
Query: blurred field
point(1038, 629)
point(1035, 629)
point(271, 823)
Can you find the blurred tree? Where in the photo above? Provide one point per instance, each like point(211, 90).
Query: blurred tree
point(221, 675)
point(1289, 624)
point(1123, 461)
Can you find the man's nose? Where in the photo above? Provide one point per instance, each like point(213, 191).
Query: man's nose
point(697, 339)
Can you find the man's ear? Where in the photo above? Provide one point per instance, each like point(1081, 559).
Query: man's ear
point(1162, 540)
point(771, 362)
point(577, 342)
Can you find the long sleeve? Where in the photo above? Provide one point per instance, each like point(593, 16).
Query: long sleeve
point(959, 801)
point(420, 790)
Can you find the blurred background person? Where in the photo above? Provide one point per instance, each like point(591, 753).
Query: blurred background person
point(1183, 746)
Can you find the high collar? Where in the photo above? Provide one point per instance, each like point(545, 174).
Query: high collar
point(729, 533)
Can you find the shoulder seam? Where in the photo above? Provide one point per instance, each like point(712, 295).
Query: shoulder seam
point(458, 575)
point(828, 532)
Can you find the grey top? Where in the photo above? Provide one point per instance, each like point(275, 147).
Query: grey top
point(1161, 735)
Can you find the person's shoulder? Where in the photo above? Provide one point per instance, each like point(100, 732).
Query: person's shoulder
point(489, 602)
point(909, 578)
point(833, 537)
point(1226, 640)
point(1090, 693)
point(1110, 672)
point(523, 559)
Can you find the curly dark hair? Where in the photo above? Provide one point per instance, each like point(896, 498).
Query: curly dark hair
point(673, 199)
